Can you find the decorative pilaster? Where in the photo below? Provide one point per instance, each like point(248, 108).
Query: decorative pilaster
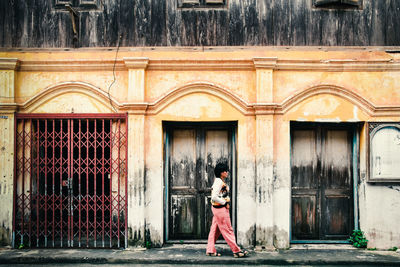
point(136, 179)
point(7, 109)
point(137, 67)
point(264, 74)
point(264, 152)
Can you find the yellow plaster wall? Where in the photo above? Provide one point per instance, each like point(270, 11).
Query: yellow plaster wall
point(30, 83)
point(241, 83)
point(72, 103)
point(326, 107)
point(200, 107)
point(379, 88)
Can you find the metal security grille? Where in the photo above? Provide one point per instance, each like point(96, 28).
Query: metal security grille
point(70, 181)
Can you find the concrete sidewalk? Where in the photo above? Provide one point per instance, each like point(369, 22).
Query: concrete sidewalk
point(195, 255)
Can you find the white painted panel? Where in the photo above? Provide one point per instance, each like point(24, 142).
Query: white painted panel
point(385, 149)
point(337, 148)
point(183, 157)
point(303, 147)
point(217, 144)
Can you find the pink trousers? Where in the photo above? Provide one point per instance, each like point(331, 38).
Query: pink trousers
point(221, 224)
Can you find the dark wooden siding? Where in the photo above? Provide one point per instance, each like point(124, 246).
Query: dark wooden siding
point(38, 23)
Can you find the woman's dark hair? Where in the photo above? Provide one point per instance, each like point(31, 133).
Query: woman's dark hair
point(220, 168)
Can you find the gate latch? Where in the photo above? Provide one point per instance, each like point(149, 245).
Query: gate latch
point(67, 183)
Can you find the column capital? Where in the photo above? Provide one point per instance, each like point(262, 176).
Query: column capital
point(8, 63)
point(265, 62)
point(136, 62)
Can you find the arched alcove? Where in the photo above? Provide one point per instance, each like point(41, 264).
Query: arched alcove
point(67, 97)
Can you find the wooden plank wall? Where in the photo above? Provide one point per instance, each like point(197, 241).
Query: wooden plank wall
point(38, 23)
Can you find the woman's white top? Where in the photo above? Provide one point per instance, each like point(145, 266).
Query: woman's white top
point(218, 188)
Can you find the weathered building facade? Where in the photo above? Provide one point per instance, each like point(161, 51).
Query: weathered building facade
point(113, 114)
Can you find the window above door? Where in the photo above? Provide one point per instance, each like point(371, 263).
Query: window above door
point(384, 152)
point(338, 4)
point(202, 3)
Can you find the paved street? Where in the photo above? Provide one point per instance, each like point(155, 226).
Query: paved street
point(194, 255)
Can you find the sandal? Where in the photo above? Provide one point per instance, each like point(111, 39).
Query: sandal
point(215, 254)
point(241, 254)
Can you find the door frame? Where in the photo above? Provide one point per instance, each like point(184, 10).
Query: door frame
point(354, 127)
point(167, 126)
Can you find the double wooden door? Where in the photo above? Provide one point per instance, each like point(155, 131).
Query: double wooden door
point(322, 181)
point(191, 152)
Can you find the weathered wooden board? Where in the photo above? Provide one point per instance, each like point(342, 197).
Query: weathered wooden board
point(41, 23)
point(322, 189)
point(194, 150)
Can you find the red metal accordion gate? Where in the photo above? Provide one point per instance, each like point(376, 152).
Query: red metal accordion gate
point(70, 180)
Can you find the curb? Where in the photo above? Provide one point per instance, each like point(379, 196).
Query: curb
point(183, 261)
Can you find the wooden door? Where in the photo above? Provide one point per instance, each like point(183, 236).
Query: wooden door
point(322, 184)
point(192, 152)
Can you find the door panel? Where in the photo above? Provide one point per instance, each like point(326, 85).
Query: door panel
point(183, 158)
point(304, 159)
point(322, 190)
point(336, 184)
point(183, 189)
point(194, 149)
point(305, 193)
point(304, 216)
point(217, 150)
point(184, 219)
point(336, 213)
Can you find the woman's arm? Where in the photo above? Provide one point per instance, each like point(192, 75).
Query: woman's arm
point(216, 188)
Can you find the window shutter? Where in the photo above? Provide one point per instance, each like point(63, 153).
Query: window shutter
point(62, 3)
point(325, 2)
point(191, 2)
point(214, 1)
point(330, 2)
point(351, 2)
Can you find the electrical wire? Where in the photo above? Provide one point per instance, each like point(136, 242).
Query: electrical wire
point(115, 61)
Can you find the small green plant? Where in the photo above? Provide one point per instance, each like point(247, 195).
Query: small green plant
point(371, 248)
point(358, 239)
point(21, 246)
point(148, 244)
point(393, 249)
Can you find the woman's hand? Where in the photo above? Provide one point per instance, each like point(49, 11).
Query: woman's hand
point(228, 200)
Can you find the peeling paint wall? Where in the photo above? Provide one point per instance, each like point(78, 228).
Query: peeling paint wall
point(250, 87)
point(6, 176)
point(378, 205)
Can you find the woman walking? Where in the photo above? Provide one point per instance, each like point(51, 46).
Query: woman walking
point(221, 223)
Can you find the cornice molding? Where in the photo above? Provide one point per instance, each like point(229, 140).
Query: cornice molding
point(71, 65)
point(338, 65)
point(202, 64)
point(8, 63)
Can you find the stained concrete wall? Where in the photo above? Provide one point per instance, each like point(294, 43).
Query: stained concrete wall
point(6, 176)
point(7, 90)
point(263, 90)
